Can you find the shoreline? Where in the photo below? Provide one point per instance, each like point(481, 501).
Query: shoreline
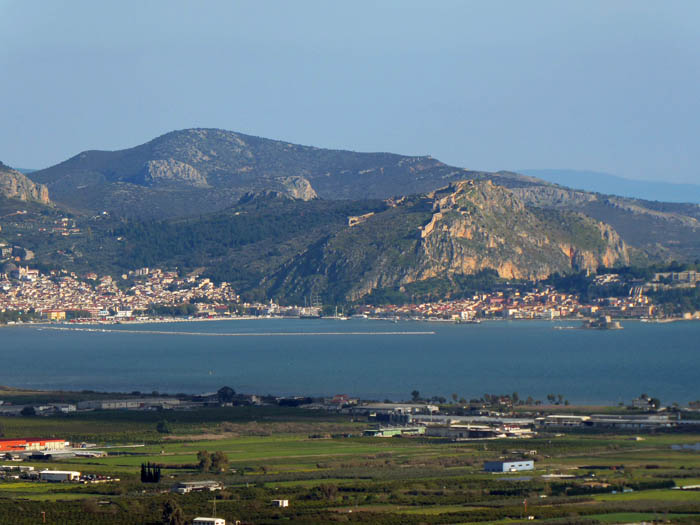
point(13, 391)
point(168, 320)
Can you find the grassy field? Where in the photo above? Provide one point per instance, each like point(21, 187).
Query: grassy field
point(653, 495)
point(272, 455)
point(636, 517)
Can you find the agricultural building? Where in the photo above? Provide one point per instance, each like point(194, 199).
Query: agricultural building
point(59, 475)
point(394, 431)
point(186, 487)
point(27, 444)
point(209, 521)
point(129, 404)
point(465, 431)
point(508, 466)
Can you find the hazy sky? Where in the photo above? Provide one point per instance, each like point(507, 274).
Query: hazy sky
point(610, 85)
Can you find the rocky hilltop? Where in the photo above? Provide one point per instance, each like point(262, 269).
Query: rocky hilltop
point(15, 185)
point(198, 171)
point(461, 229)
point(205, 170)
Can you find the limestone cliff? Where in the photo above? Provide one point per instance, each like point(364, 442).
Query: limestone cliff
point(461, 229)
point(298, 188)
point(15, 185)
point(170, 171)
point(477, 225)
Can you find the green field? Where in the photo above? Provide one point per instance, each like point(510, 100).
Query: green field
point(272, 455)
point(635, 517)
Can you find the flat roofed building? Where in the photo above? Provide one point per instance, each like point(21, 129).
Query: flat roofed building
point(464, 431)
point(20, 468)
point(631, 421)
point(186, 487)
point(55, 315)
point(562, 420)
point(128, 404)
point(394, 431)
point(21, 445)
point(209, 521)
point(59, 475)
point(397, 408)
point(508, 466)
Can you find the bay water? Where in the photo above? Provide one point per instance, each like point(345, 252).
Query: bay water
point(365, 358)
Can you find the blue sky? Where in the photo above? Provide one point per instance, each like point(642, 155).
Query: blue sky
point(598, 85)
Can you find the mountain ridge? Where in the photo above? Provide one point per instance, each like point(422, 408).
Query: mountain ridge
point(463, 228)
point(223, 165)
point(191, 172)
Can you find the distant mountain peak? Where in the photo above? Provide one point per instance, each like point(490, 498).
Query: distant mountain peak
point(211, 169)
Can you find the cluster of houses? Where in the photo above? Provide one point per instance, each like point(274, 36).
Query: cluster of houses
point(537, 304)
point(64, 226)
point(59, 293)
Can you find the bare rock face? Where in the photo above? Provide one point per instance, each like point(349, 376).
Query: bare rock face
point(171, 171)
point(16, 185)
point(551, 195)
point(477, 225)
point(299, 188)
point(461, 229)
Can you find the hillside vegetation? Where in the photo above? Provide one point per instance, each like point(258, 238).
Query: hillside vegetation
point(462, 229)
point(200, 171)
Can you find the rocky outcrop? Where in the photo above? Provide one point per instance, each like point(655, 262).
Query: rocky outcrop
point(167, 175)
point(461, 229)
point(551, 196)
point(15, 185)
point(170, 171)
point(299, 188)
point(478, 225)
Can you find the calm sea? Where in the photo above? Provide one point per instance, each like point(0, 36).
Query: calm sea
point(372, 359)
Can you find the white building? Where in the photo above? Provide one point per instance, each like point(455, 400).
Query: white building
point(209, 521)
point(280, 502)
point(185, 487)
point(59, 475)
point(508, 466)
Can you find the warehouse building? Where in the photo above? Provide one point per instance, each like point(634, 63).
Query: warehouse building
point(185, 487)
point(59, 475)
point(29, 444)
point(508, 466)
point(209, 521)
point(129, 404)
point(394, 431)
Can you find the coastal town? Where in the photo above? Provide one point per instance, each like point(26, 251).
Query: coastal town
point(154, 293)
